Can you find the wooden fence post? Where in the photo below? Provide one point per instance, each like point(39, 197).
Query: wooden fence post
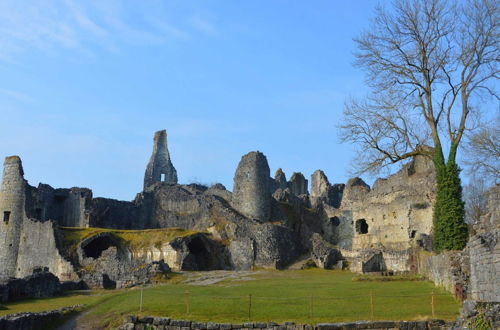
point(250, 307)
point(141, 302)
point(433, 306)
point(187, 302)
point(311, 307)
point(371, 305)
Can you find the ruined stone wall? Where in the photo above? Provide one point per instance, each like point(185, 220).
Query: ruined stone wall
point(38, 249)
point(25, 244)
point(111, 213)
point(75, 206)
point(160, 163)
point(472, 272)
point(484, 253)
point(440, 268)
point(485, 268)
point(12, 214)
point(251, 190)
point(68, 207)
point(298, 184)
point(396, 212)
point(338, 227)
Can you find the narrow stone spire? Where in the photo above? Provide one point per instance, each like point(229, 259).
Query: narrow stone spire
point(280, 179)
point(160, 163)
point(12, 214)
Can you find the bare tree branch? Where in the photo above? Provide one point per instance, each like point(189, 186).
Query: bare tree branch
point(426, 62)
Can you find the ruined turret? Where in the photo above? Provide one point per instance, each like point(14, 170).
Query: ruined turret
point(12, 213)
point(298, 184)
point(160, 166)
point(251, 191)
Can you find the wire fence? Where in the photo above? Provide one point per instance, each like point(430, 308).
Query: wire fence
point(370, 306)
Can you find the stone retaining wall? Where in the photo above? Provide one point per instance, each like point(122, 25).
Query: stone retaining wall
point(133, 322)
point(34, 321)
point(442, 269)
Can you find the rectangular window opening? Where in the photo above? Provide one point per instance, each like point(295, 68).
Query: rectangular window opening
point(162, 179)
point(6, 216)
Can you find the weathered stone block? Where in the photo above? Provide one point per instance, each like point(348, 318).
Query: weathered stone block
point(212, 326)
point(199, 325)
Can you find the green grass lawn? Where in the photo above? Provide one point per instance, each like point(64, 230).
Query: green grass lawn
point(305, 296)
point(87, 298)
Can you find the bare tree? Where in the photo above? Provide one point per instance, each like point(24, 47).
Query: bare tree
point(476, 198)
point(483, 152)
point(426, 61)
point(429, 64)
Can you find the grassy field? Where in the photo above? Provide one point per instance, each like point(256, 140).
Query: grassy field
point(305, 296)
point(87, 298)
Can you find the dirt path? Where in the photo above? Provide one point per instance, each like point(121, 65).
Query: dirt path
point(216, 276)
point(77, 321)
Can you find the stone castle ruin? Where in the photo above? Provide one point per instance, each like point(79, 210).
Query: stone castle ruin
point(264, 222)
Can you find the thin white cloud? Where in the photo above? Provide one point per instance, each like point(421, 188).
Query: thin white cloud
point(172, 31)
point(50, 26)
point(203, 25)
point(15, 95)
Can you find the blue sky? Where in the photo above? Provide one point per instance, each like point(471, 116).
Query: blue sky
point(84, 85)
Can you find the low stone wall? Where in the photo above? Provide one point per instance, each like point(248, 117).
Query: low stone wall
point(34, 321)
point(41, 284)
point(445, 269)
point(484, 252)
point(148, 322)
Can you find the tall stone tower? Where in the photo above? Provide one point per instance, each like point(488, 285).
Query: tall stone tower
point(160, 164)
point(251, 191)
point(12, 214)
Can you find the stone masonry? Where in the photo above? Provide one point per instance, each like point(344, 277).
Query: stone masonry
point(12, 199)
point(251, 191)
point(133, 322)
point(298, 184)
point(160, 163)
point(484, 253)
point(25, 244)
